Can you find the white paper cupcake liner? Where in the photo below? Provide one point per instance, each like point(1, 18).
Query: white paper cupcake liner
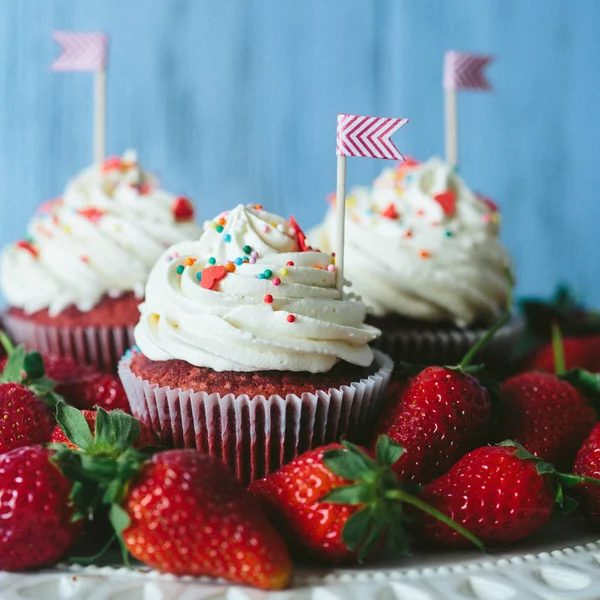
point(256, 436)
point(101, 347)
point(448, 347)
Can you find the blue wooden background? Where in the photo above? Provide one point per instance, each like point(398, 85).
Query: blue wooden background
point(236, 100)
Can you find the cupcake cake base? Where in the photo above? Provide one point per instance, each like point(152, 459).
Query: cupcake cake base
point(254, 433)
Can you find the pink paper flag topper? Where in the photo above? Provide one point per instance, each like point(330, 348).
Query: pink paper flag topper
point(81, 51)
point(463, 71)
point(368, 136)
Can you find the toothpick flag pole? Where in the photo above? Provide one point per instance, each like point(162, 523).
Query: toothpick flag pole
point(367, 137)
point(461, 71)
point(87, 52)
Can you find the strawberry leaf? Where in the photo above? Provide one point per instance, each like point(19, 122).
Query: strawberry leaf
point(74, 426)
point(387, 451)
point(33, 365)
point(357, 528)
point(544, 468)
point(370, 542)
point(6, 343)
point(361, 493)
point(347, 464)
point(42, 386)
point(587, 383)
point(13, 371)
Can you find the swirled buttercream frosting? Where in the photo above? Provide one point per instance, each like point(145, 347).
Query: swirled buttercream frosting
point(250, 296)
point(100, 238)
point(421, 244)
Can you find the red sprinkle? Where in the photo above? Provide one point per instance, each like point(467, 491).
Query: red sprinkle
point(276, 281)
point(91, 214)
point(291, 318)
point(182, 209)
point(28, 247)
point(447, 200)
point(211, 275)
point(390, 212)
point(112, 163)
point(300, 236)
point(85, 259)
point(289, 263)
point(268, 299)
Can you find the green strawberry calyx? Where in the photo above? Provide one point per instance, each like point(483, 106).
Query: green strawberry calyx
point(374, 487)
point(28, 369)
point(566, 503)
point(103, 464)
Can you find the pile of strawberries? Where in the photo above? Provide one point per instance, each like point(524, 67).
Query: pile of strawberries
point(455, 461)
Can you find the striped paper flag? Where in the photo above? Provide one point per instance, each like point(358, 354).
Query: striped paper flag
point(463, 71)
point(81, 51)
point(367, 136)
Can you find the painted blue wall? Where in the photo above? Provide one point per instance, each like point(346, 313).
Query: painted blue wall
point(236, 100)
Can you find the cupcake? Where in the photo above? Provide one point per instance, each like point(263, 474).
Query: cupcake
point(246, 349)
point(423, 253)
point(74, 284)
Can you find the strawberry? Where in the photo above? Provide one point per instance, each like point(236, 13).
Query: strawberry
point(440, 413)
point(337, 504)
point(37, 514)
point(547, 415)
point(190, 516)
point(58, 436)
point(501, 494)
point(85, 387)
point(26, 398)
point(579, 352)
point(180, 512)
point(587, 463)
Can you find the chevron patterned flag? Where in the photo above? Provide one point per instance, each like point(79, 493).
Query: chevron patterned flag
point(464, 71)
point(367, 136)
point(80, 51)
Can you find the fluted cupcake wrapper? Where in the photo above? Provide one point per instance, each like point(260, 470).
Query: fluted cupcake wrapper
point(448, 347)
point(256, 436)
point(101, 347)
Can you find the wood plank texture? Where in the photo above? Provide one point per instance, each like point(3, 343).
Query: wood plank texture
point(236, 100)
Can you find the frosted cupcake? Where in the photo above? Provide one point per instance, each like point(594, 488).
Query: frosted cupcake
point(247, 351)
point(74, 284)
point(423, 253)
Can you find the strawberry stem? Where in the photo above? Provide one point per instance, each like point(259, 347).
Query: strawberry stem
point(436, 514)
point(490, 333)
point(558, 350)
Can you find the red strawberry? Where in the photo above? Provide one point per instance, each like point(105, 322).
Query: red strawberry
point(83, 386)
point(336, 504)
point(26, 419)
point(37, 514)
point(59, 437)
point(579, 353)
point(546, 415)
point(501, 494)
point(587, 464)
point(439, 415)
point(180, 512)
point(26, 399)
point(190, 516)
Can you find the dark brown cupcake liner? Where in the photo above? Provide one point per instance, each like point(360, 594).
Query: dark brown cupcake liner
point(256, 436)
point(448, 346)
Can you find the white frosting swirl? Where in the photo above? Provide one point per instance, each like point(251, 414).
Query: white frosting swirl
point(102, 237)
point(278, 310)
point(424, 258)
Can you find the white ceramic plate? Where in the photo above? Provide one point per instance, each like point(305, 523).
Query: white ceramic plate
point(562, 563)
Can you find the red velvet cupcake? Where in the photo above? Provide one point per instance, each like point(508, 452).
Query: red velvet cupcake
point(248, 352)
point(74, 285)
